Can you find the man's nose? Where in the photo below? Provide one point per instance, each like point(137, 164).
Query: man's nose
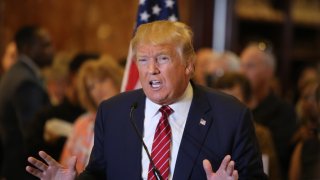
point(243, 69)
point(153, 68)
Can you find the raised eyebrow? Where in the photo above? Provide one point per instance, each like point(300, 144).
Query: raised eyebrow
point(141, 56)
point(162, 53)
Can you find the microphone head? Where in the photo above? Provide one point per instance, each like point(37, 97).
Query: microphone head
point(134, 105)
point(132, 108)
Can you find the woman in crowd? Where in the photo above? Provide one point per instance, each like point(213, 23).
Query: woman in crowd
point(9, 58)
point(305, 161)
point(97, 81)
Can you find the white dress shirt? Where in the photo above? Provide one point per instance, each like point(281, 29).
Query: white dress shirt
point(177, 121)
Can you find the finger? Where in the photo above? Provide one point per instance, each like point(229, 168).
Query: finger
point(225, 162)
point(34, 171)
point(48, 159)
point(207, 167)
point(38, 164)
point(235, 175)
point(230, 168)
point(72, 163)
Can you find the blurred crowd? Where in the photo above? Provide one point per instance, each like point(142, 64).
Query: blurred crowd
point(287, 130)
point(49, 101)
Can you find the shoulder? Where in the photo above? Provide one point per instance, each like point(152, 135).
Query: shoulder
point(277, 102)
point(120, 105)
point(217, 99)
point(23, 69)
point(19, 74)
point(223, 108)
point(84, 121)
point(124, 99)
point(20, 79)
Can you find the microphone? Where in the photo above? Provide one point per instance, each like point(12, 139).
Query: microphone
point(155, 170)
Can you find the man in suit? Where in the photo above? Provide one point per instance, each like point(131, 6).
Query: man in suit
point(22, 95)
point(206, 126)
point(258, 64)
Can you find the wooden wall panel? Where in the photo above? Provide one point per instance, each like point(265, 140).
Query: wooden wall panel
point(77, 25)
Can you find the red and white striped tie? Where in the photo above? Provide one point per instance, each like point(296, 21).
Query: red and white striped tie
point(160, 153)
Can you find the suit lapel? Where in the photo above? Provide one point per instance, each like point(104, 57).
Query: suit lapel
point(194, 135)
point(134, 142)
point(141, 102)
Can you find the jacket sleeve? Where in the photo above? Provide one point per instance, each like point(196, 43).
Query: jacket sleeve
point(96, 167)
point(27, 106)
point(246, 152)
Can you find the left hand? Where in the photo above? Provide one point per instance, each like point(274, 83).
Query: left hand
point(226, 170)
point(51, 169)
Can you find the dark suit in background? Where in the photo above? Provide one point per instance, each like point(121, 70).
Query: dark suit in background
point(21, 95)
point(280, 118)
point(227, 129)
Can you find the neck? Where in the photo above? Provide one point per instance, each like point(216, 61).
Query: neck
point(252, 103)
point(261, 93)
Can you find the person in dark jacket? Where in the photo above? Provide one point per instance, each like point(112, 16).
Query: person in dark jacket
point(205, 134)
point(22, 95)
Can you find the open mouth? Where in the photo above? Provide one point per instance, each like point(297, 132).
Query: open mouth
point(155, 84)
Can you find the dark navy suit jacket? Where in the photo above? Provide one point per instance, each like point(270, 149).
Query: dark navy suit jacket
point(228, 129)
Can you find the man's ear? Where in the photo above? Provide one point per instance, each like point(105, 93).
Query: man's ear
point(190, 68)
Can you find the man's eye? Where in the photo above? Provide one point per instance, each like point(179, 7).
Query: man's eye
point(142, 60)
point(163, 59)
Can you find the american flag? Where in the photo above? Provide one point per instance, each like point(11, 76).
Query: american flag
point(149, 10)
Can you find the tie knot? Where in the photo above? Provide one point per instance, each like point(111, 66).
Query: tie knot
point(166, 110)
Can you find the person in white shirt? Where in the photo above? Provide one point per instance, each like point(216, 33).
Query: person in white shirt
point(207, 127)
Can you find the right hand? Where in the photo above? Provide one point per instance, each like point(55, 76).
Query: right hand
point(226, 170)
point(51, 170)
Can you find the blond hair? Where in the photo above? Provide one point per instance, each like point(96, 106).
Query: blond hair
point(166, 32)
point(104, 67)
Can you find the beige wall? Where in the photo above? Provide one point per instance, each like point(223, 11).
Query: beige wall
point(77, 25)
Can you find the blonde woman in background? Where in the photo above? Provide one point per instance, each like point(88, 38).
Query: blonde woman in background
point(10, 57)
point(98, 81)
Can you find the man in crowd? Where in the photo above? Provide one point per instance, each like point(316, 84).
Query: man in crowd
point(22, 95)
point(190, 131)
point(258, 65)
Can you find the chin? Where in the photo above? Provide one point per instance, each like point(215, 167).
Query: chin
point(157, 100)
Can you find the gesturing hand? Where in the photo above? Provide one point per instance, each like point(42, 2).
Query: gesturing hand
point(226, 170)
point(51, 170)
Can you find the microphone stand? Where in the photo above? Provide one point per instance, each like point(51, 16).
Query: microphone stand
point(155, 171)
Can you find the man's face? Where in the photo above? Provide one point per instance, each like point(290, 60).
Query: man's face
point(163, 74)
point(204, 58)
point(254, 67)
point(308, 102)
point(42, 50)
